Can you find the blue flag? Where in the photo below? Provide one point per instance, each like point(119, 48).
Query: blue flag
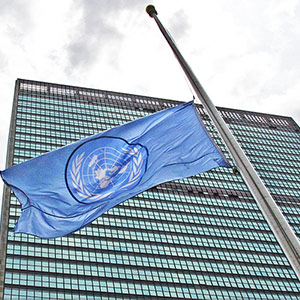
point(66, 189)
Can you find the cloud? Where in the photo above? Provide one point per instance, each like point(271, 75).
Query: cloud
point(179, 24)
point(16, 18)
point(3, 61)
point(97, 31)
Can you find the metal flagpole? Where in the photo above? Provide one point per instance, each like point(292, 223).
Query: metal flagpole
point(282, 230)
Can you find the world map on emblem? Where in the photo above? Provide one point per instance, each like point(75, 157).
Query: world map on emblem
point(104, 167)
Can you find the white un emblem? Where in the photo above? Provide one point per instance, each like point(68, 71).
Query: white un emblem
point(104, 167)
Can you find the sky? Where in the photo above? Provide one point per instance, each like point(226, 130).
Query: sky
point(246, 54)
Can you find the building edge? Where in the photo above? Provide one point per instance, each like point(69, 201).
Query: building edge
point(6, 191)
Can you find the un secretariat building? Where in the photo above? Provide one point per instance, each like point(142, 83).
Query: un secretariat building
point(203, 237)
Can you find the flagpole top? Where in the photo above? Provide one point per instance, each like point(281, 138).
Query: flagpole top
point(150, 9)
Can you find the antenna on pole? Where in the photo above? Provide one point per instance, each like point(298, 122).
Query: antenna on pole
point(277, 222)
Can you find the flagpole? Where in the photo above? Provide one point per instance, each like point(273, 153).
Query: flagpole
point(277, 222)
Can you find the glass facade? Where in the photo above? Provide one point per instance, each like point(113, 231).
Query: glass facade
point(202, 237)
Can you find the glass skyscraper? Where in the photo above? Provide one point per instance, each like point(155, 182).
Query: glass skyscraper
point(202, 237)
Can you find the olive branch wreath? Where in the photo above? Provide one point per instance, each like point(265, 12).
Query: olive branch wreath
point(83, 192)
point(75, 174)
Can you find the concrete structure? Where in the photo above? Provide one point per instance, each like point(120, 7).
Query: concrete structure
point(203, 237)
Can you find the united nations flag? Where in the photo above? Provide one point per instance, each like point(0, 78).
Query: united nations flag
point(66, 189)
point(103, 167)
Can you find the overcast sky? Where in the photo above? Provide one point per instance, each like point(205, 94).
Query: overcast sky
point(245, 53)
